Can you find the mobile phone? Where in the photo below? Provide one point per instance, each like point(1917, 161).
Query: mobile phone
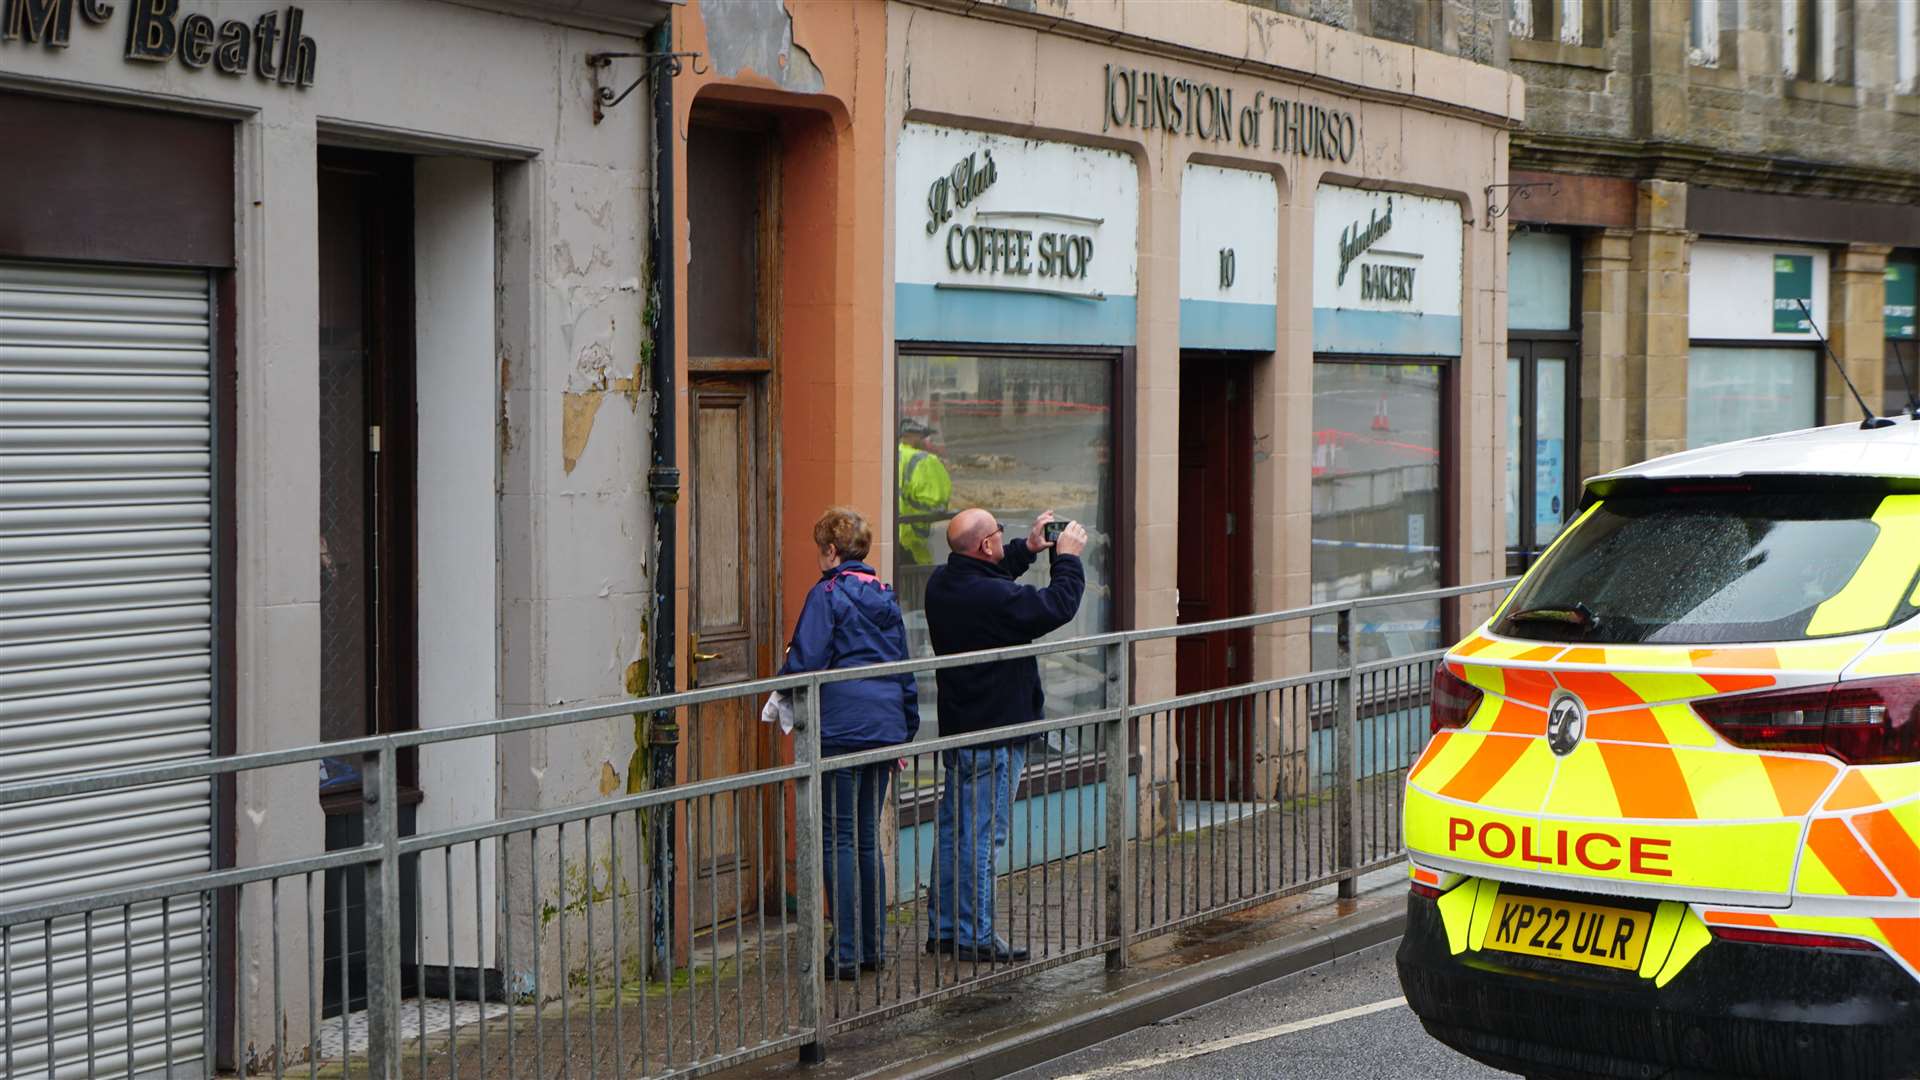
point(1051, 530)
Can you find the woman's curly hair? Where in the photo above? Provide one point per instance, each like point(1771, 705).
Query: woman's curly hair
point(846, 530)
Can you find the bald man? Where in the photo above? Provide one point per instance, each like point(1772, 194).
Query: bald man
point(973, 602)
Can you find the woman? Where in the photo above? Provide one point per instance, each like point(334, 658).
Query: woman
point(849, 620)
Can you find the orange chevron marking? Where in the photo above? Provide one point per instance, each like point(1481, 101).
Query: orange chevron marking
point(1842, 855)
point(1534, 688)
point(1648, 781)
point(1490, 762)
point(1517, 719)
point(1733, 684)
point(1585, 655)
point(1599, 689)
point(1897, 848)
point(1473, 645)
point(1904, 937)
point(1797, 782)
point(1634, 725)
point(1736, 658)
point(1738, 918)
point(1544, 652)
point(1438, 742)
point(1853, 793)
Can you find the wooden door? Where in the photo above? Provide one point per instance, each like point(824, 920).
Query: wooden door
point(728, 617)
point(1215, 573)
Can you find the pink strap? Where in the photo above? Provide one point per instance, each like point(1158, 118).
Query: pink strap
point(859, 576)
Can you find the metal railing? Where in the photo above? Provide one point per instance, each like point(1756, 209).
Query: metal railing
point(1218, 800)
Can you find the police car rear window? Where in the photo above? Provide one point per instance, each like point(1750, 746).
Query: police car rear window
point(1713, 568)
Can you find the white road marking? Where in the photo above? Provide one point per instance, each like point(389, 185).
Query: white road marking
point(1167, 1057)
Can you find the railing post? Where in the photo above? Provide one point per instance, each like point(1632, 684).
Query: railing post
point(809, 872)
point(1119, 884)
point(380, 792)
point(1347, 758)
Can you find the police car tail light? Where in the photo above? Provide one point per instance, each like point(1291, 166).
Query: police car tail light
point(1869, 722)
point(1757, 936)
point(1454, 699)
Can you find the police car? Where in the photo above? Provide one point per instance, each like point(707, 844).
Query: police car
point(1668, 823)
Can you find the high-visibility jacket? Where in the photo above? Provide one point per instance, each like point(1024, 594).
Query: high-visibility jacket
point(922, 487)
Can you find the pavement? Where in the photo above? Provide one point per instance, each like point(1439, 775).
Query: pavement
point(1022, 1023)
point(1343, 1020)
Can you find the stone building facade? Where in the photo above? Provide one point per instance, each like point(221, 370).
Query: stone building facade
point(1699, 169)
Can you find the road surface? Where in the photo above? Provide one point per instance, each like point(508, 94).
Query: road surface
point(1340, 1020)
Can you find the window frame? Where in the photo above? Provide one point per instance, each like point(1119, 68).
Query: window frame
point(1530, 551)
point(1555, 341)
point(1123, 444)
point(1451, 422)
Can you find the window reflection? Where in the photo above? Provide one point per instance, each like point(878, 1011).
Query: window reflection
point(1015, 435)
point(1376, 502)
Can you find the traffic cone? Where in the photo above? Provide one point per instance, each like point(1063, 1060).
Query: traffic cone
point(1380, 421)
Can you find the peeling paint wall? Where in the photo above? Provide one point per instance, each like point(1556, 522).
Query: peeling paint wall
point(756, 37)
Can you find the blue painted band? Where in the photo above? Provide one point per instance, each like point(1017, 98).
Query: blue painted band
point(924, 313)
point(1393, 333)
point(1219, 324)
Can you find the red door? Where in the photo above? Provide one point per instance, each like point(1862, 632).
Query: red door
point(1216, 571)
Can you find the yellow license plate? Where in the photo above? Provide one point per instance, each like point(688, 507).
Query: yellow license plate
point(1582, 933)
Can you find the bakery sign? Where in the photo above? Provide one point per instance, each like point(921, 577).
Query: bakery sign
point(1386, 272)
point(272, 47)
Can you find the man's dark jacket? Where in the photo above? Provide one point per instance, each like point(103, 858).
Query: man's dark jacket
point(973, 604)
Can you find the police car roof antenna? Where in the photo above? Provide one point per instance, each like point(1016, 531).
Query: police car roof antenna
point(1871, 422)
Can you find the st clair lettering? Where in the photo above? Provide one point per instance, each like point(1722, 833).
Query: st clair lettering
point(967, 182)
point(1155, 102)
point(1596, 851)
point(272, 47)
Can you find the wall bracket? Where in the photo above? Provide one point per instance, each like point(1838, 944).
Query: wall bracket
point(604, 99)
point(1515, 191)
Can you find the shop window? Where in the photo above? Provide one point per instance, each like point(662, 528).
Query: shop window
point(1816, 40)
point(1378, 523)
point(1016, 435)
point(1738, 392)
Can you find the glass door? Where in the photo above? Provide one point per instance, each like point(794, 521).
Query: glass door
point(1542, 477)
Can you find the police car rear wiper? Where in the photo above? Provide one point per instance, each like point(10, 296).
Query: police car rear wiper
point(1578, 615)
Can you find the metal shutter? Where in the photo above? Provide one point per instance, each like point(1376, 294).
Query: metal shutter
point(106, 632)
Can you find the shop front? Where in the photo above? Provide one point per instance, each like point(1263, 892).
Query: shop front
point(1119, 292)
point(288, 411)
point(1014, 326)
point(1386, 346)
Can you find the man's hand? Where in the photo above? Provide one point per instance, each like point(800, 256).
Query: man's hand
point(1073, 539)
point(1037, 536)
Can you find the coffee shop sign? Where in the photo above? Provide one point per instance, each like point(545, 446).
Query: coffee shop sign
point(990, 249)
point(272, 47)
point(1150, 101)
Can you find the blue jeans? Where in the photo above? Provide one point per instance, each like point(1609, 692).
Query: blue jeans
point(851, 801)
point(977, 805)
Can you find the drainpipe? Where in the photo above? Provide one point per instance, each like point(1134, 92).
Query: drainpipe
point(663, 483)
